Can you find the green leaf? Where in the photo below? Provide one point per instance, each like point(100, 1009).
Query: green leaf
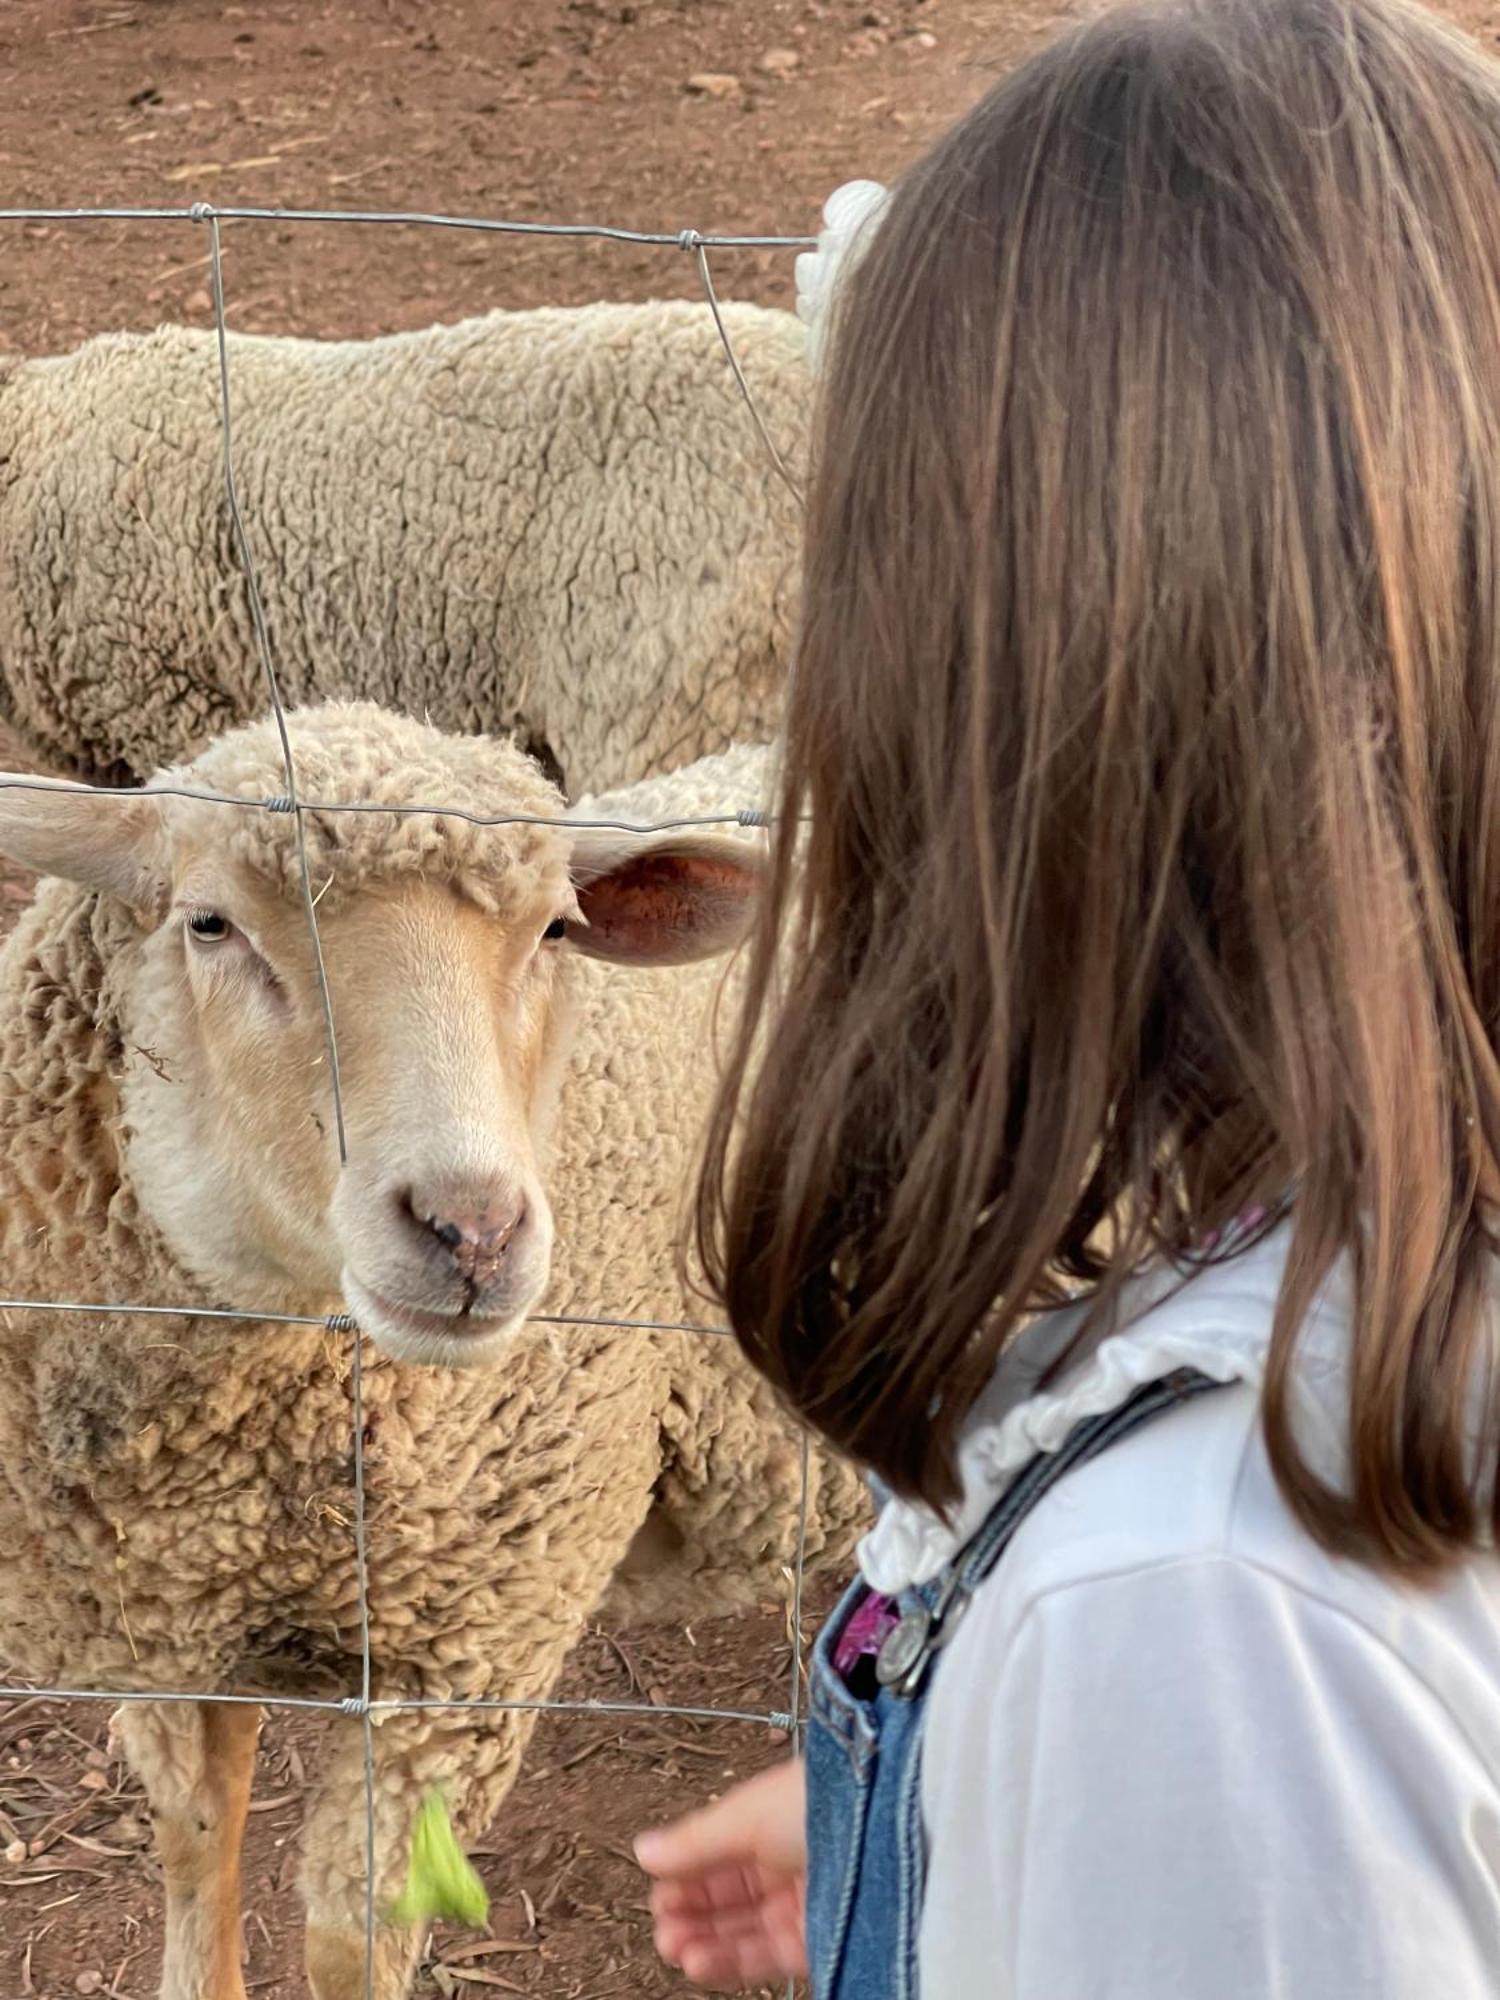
point(440, 1880)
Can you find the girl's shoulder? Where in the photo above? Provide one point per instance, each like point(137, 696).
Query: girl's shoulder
point(1172, 1733)
point(1189, 1506)
point(1178, 1531)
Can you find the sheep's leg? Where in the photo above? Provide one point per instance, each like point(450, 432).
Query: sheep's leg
point(334, 1869)
point(196, 1761)
point(336, 1961)
point(567, 1483)
point(473, 1757)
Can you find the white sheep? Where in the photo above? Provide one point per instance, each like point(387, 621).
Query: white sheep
point(522, 1017)
point(560, 523)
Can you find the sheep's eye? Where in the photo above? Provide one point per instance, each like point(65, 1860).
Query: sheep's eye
point(208, 927)
point(557, 928)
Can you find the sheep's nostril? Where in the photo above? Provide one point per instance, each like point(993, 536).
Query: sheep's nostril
point(476, 1238)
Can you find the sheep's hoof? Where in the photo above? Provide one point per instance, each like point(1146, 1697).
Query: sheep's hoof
point(335, 1959)
point(335, 1964)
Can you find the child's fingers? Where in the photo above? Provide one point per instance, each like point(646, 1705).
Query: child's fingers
point(778, 1905)
point(675, 1938)
point(694, 1845)
point(723, 1833)
point(760, 1820)
point(720, 1889)
point(724, 1965)
point(748, 1943)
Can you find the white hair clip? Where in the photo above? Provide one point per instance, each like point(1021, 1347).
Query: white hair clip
point(846, 214)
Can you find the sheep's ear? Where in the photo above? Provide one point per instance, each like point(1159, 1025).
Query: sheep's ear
point(116, 845)
point(663, 902)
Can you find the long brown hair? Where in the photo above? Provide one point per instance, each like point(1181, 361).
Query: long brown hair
point(1146, 715)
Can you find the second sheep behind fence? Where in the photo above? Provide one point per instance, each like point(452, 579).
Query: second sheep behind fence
point(558, 521)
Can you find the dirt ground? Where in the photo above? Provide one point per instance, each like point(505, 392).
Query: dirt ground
point(734, 115)
point(563, 110)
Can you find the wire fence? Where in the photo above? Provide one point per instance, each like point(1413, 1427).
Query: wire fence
point(364, 1705)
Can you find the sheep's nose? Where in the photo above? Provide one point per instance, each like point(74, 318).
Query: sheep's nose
point(475, 1236)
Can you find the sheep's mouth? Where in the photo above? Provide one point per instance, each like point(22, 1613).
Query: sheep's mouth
point(440, 1340)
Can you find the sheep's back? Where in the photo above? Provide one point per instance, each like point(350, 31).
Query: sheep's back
point(559, 522)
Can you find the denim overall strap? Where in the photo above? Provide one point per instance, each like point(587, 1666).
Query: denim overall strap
point(866, 1847)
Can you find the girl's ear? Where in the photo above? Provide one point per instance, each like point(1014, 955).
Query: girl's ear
point(115, 845)
point(667, 901)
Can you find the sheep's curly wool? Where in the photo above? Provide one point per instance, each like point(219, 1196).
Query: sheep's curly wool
point(360, 754)
point(175, 1497)
point(559, 522)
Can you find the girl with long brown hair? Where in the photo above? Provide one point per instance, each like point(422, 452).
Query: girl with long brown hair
point(1109, 1157)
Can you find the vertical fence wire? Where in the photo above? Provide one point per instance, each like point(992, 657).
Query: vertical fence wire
point(273, 681)
point(691, 240)
point(315, 943)
point(362, 1705)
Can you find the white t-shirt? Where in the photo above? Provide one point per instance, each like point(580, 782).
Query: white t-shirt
point(1175, 1751)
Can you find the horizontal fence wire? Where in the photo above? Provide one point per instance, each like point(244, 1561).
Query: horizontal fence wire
point(352, 1704)
point(336, 1322)
point(283, 803)
point(691, 240)
point(365, 1705)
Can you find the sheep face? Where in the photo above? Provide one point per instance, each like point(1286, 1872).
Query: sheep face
point(450, 1021)
point(451, 958)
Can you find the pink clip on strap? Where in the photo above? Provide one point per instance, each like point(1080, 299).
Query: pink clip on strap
point(869, 1622)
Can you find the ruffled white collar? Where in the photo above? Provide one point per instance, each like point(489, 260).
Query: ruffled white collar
point(1218, 1320)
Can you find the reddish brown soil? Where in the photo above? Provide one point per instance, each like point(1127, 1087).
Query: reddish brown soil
point(81, 1912)
point(561, 110)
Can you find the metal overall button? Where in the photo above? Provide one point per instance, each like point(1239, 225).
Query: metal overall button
point(901, 1663)
point(903, 1646)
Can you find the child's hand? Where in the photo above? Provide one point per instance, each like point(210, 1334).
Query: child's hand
point(729, 1880)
